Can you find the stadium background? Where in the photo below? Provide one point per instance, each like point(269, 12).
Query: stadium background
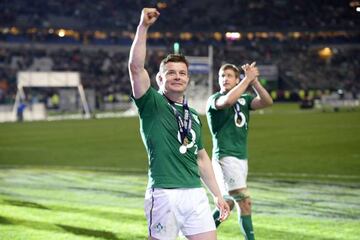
point(84, 179)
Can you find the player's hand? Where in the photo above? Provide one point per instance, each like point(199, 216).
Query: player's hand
point(251, 71)
point(223, 207)
point(149, 16)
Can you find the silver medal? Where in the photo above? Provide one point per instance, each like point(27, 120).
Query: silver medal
point(182, 149)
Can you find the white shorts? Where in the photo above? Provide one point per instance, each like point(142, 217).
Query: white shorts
point(169, 211)
point(231, 173)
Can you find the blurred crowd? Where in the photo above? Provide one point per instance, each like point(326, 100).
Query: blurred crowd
point(306, 27)
point(201, 15)
point(105, 71)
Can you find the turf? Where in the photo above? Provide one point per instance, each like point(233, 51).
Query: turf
point(86, 179)
point(282, 140)
point(46, 204)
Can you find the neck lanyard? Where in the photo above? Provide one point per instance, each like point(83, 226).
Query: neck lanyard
point(184, 123)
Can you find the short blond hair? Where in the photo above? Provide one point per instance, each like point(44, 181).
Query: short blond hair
point(232, 67)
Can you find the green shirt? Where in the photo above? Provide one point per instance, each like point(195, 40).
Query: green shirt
point(229, 137)
point(168, 168)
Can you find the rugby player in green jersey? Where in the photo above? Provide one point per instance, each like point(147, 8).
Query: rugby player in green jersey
point(171, 131)
point(228, 118)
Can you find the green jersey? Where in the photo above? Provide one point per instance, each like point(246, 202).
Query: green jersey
point(229, 127)
point(168, 168)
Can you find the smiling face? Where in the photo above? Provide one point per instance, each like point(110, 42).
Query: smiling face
point(174, 75)
point(228, 77)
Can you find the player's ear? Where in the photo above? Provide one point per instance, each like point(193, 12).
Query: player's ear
point(159, 79)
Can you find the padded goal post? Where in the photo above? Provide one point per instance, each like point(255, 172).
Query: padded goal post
point(201, 80)
point(49, 80)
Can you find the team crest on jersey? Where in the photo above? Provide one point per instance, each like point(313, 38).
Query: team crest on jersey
point(242, 101)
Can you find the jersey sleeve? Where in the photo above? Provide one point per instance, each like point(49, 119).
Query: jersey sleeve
point(145, 104)
point(248, 97)
point(211, 102)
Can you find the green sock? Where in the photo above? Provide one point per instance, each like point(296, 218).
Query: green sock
point(216, 215)
point(247, 226)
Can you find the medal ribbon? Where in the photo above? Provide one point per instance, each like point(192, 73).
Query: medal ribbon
point(184, 124)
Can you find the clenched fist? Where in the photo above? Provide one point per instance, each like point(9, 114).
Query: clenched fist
point(149, 16)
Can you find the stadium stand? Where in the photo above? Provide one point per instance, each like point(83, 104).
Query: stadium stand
point(313, 44)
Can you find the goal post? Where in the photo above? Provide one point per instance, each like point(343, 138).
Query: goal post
point(49, 80)
point(201, 83)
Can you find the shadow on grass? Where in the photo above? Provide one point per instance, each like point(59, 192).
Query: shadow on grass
point(89, 232)
point(55, 228)
point(24, 204)
point(5, 221)
point(102, 213)
point(116, 193)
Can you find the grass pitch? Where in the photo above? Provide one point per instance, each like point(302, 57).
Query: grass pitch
point(66, 204)
point(282, 139)
point(86, 179)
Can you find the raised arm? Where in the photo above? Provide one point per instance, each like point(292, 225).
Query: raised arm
point(230, 98)
point(208, 177)
point(139, 77)
point(263, 98)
